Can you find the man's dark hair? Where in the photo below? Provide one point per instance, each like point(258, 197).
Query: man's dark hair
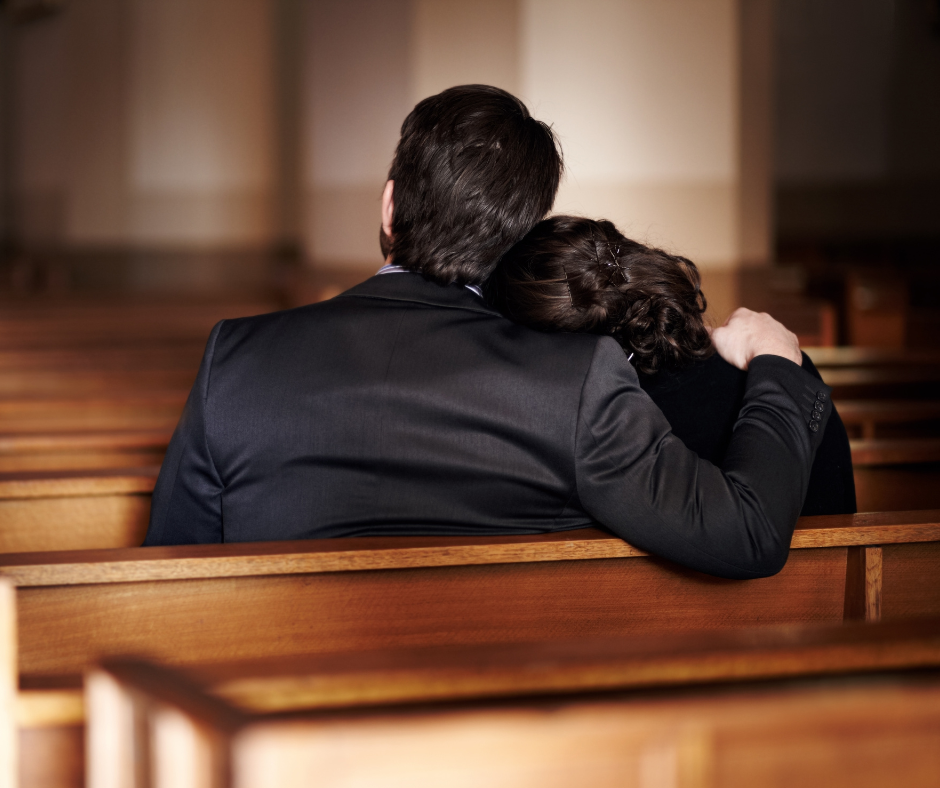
point(581, 275)
point(473, 172)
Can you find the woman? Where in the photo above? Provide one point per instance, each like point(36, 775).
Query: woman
point(575, 274)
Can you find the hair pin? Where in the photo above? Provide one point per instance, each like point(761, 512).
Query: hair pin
point(568, 287)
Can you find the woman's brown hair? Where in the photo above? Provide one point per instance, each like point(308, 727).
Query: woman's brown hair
point(582, 275)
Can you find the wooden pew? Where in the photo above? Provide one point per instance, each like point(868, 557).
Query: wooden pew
point(50, 721)
point(152, 410)
point(186, 605)
point(420, 675)
point(74, 510)
point(870, 419)
point(194, 605)
point(896, 474)
point(865, 731)
point(877, 373)
point(73, 324)
point(79, 451)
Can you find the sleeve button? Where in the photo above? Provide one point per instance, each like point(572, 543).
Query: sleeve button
point(822, 396)
point(814, 426)
point(818, 406)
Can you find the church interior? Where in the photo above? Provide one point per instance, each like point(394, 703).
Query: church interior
point(166, 164)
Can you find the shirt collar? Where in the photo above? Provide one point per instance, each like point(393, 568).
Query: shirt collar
point(391, 268)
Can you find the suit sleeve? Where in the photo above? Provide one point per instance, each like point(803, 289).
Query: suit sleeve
point(640, 481)
point(187, 499)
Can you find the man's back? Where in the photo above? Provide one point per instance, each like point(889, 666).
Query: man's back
point(399, 407)
point(403, 407)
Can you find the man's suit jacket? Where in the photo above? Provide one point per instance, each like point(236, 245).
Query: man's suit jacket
point(404, 407)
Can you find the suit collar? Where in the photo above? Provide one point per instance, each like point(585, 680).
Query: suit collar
point(416, 289)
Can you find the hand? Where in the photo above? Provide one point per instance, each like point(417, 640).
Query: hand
point(747, 334)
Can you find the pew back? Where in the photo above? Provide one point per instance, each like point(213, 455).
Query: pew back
point(839, 733)
point(894, 474)
point(74, 510)
point(206, 603)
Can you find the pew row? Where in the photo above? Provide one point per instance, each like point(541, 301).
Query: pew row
point(868, 419)
point(186, 605)
point(149, 725)
point(152, 410)
point(50, 721)
point(74, 510)
point(69, 451)
point(564, 666)
point(875, 373)
point(79, 325)
point(348, 595)
point(896, 474)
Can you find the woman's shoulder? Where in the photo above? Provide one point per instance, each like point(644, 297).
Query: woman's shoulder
point(713, 372)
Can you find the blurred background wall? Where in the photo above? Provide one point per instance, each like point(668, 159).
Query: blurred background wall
point(187, 144)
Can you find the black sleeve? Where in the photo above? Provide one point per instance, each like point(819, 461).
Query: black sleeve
point(832, 482)
point(640, 481)
point(187, 500)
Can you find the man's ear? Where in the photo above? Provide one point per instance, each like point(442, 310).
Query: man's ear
point(388, 207)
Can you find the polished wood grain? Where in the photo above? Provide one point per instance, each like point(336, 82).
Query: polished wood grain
point(412, 675)
point(863, 418)
point(76, 484)
point(835, 357)
point(158, 410)
point(895, 451)
point(318, 596)
point(75, 324)
point(63, 629)
point(568, 666)
point(9, 746)
point(859, 732)
point(896, 488)
point(403, 552)
point(64, 442)
point(863, 584)
point(911, 580)
point(93, 382)
point(67, 451)
point(74, 509)
point(867, 528)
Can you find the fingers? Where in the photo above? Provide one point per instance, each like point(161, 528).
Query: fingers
point(747, 334)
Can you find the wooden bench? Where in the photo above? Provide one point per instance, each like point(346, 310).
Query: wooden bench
point(81, 324)
point(870, 419)
point(874, 373)
point(50, 721)
point(152, 410)
point(851, 732)
point(75, 510)
point(66, 451)
point(194, 604)
point(896, 474)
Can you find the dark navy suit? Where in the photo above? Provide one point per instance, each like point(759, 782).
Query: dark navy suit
point(404, 407)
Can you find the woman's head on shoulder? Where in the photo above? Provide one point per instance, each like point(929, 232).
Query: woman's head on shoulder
point(582, 275)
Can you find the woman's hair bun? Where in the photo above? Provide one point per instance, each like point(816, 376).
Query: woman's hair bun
point(574, 274)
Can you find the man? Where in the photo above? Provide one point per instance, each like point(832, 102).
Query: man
point(408, 406)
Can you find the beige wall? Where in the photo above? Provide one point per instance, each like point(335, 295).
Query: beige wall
point(176, 132)
point(647, 106)
point(146, 123)
point(355, 95)
point(459, 43)
point(368, 63)
point(201, 115)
